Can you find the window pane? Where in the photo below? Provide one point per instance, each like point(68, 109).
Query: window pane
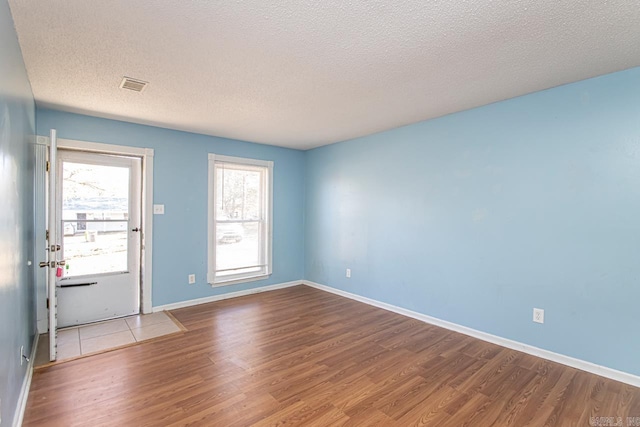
point(100, 248)
point(238, 245)
point(238, 192)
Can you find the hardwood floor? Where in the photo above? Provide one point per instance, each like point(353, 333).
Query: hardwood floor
point(300, 356)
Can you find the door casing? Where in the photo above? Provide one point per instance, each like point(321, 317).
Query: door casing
point(146, 154)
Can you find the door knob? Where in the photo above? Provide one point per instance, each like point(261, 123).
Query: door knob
point(43, 264)
point(63, 262)
point(135, 229)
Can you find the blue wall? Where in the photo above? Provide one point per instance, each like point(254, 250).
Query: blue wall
point(17, 128)
point(474, 218)
point(180, 183)
point(479, 216)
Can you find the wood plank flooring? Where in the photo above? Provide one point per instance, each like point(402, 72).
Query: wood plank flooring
point(300, 356)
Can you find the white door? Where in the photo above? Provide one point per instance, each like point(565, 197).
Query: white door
point(98, 206)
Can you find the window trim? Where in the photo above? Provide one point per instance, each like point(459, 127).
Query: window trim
point(211, 221)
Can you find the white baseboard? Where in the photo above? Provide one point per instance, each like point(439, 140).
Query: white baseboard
point(603, 371)
point(228, 295)
point(26, 385)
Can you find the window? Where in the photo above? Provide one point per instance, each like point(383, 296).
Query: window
point(240, 204)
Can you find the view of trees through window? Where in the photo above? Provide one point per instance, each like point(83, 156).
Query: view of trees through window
point(238, 192)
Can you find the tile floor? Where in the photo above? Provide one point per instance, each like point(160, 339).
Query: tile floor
point(97, 337)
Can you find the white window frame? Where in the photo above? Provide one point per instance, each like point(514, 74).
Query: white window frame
point(268, 187)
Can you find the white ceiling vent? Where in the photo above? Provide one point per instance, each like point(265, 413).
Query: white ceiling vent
point(133, 84)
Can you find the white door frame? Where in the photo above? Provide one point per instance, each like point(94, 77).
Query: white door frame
point(146, 154)
point(53, 240)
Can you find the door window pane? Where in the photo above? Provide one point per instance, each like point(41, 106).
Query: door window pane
point(95, 218)
point(102, 248)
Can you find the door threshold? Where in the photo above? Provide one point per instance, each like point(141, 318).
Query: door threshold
point(95, 322)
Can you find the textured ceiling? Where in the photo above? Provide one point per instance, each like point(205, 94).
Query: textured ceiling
point(307, 73)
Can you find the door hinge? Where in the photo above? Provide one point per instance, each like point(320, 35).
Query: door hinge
point(47, 303)
point(47, 235)
point(48, 166)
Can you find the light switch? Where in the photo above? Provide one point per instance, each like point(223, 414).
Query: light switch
point(158, 209)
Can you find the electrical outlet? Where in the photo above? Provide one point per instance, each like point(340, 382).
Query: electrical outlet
point(21, 354)
point(158, 209)
point(348, 273)
point(538, 315)
point(192, 279)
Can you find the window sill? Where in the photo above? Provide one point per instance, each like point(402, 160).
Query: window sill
point(240, 280)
